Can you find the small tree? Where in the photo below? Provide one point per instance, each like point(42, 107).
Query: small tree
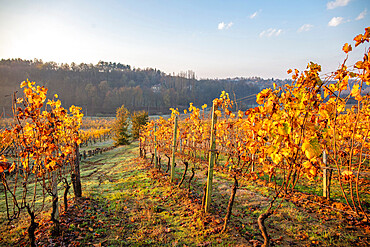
point(120, 127)
point(138, 120)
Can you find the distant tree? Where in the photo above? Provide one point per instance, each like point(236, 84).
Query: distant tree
point(138, 120)
point(101, 88)
point(121, 134)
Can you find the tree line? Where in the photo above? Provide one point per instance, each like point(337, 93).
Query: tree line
point(101, 88)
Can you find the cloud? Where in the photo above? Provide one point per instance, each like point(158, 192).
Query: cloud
point(254, 15)
point(222, 25)
point(305, 28)
point(337, 3)
point(335, 21)
point(271, 32)
point(361, 15)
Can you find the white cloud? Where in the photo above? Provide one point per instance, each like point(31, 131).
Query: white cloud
point(254, 15)
point(222, 25)
point(337, 3)
point(361, 15)
point(271, 32)
point(305, 28)
point(335, 21)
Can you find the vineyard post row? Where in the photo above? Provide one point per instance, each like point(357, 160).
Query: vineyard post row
point(212, 155)
point(326, 178)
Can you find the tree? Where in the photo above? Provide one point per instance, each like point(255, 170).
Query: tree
point(120, 127)
point(138, 119)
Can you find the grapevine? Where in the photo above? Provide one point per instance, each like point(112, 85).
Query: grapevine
point(285, 136)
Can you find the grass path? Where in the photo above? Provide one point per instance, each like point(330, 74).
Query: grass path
point(126, 202)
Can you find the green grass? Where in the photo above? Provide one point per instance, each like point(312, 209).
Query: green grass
point(129, 203)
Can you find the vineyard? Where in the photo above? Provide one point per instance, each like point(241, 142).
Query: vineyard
point(302, 138)
point(222, 177)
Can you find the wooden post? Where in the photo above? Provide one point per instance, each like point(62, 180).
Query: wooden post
point(173, 151)
point(253, 155)
point(55, 203)
point(211, 159)
point(54, 178)
point(155, 146)
point(326, 178)
point(76, 177)
point(180, 144)
point(140, 150)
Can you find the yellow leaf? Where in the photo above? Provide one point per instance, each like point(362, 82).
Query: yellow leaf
point(263, 94)
point(23, 84)
point(276, 158)
point(311, 148)
point(313, 171)
point(307, 164)
point(356, 92)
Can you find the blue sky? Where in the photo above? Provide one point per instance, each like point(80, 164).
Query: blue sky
point(215, 39)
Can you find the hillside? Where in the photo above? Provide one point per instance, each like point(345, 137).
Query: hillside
point(100, 89)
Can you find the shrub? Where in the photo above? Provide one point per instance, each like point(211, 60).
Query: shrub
point(138, 119)
point(121, 135)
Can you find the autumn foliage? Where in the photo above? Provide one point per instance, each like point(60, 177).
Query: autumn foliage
point(43, 136)
point(286, 135)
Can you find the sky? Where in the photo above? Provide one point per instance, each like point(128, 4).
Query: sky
point(213, 38)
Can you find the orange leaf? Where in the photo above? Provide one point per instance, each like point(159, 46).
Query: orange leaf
point(12, 167)
point(358, 39)
point(347, 48)
point(3, 166)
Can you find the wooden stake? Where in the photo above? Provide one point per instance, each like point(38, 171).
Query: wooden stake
point(173, 151)
point(252, 168)
point(76, 176)
point(155, 146)
point(326, 178)
point(211, 159)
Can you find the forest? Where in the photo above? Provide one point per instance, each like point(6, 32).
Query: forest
point(100, 89)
